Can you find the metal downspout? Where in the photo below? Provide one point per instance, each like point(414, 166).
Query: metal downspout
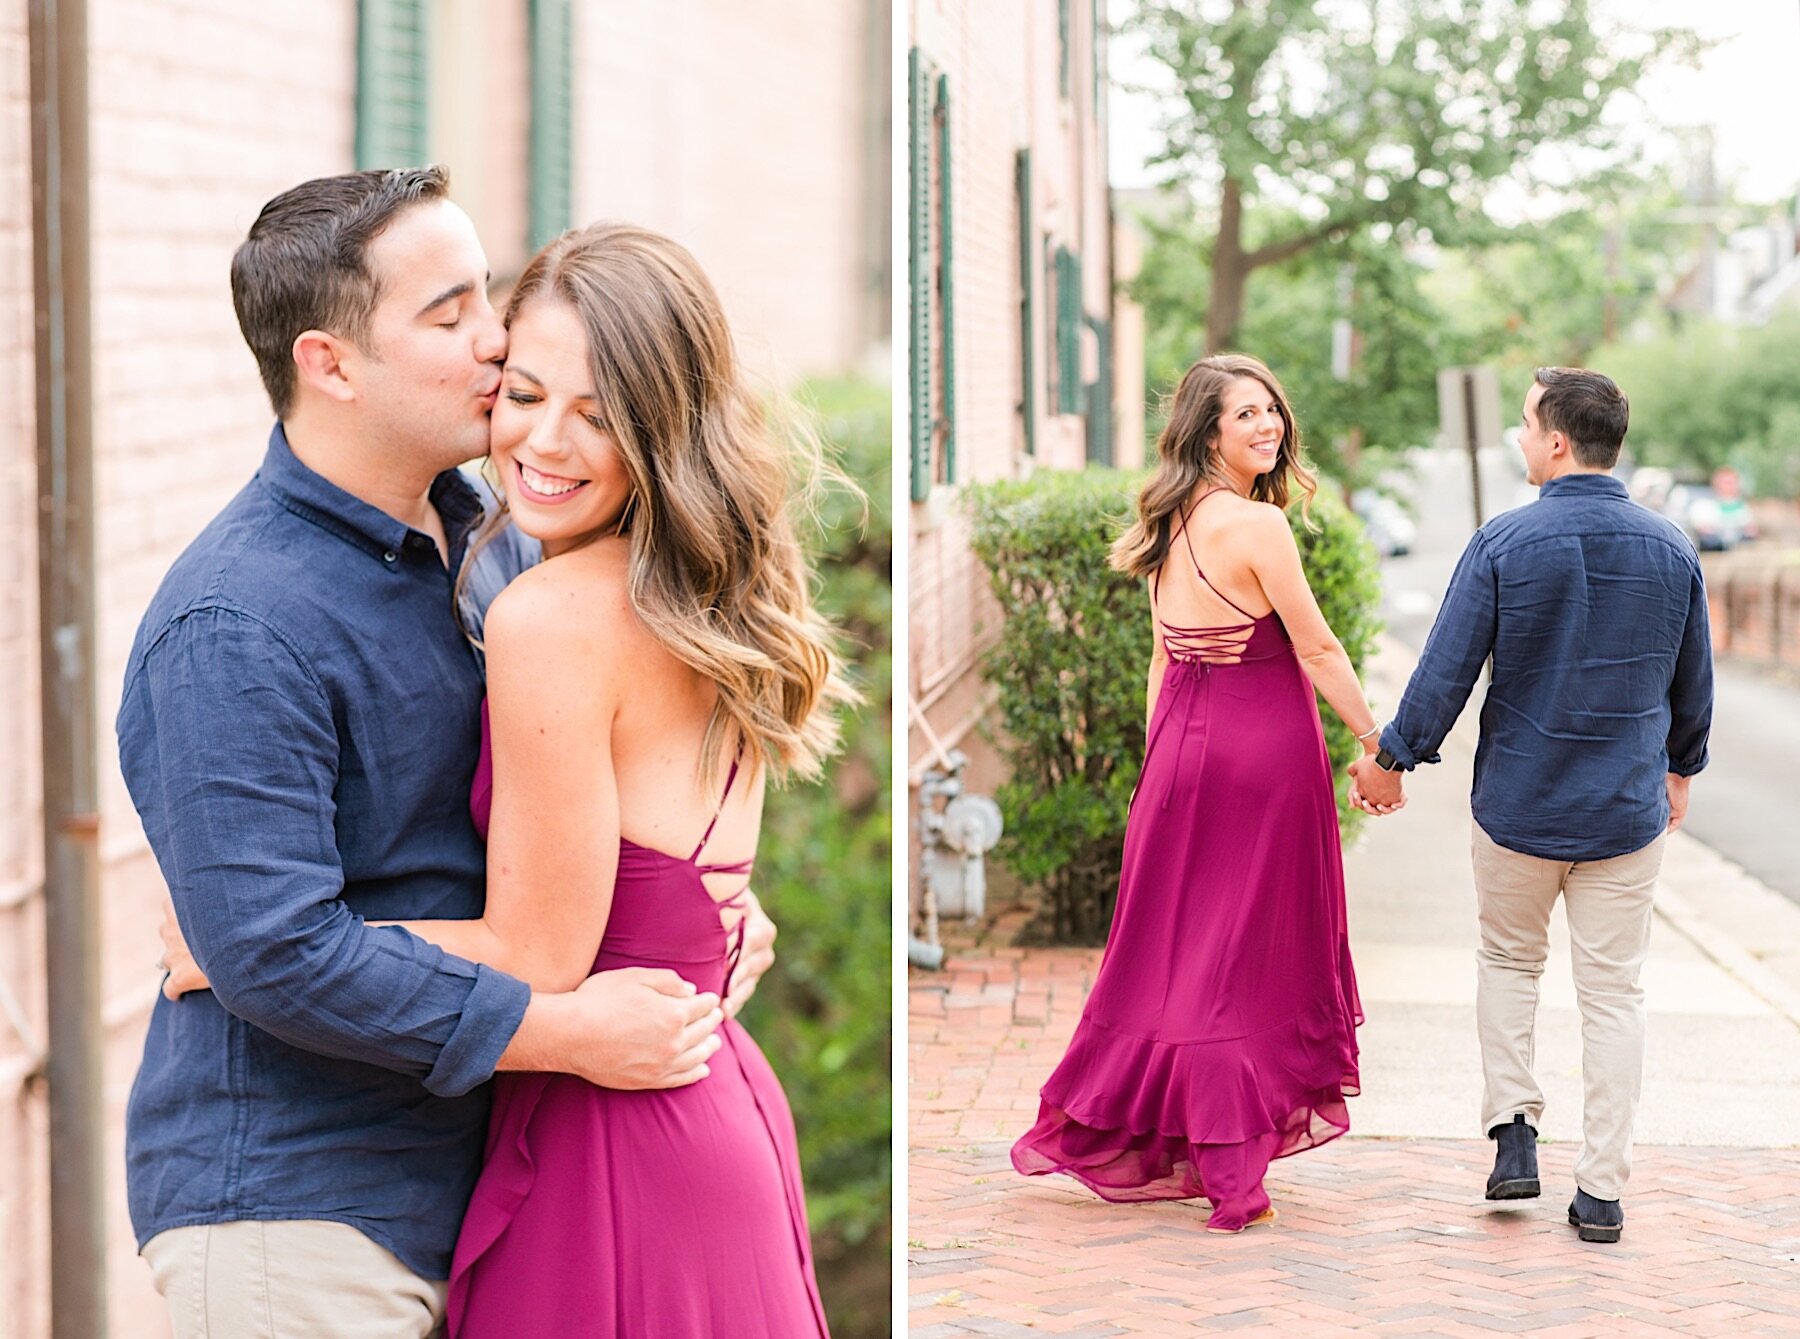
point(65, 522)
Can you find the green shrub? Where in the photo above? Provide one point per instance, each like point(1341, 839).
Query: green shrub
point(823, 871)
point(1070, 666)
point(1345, 577)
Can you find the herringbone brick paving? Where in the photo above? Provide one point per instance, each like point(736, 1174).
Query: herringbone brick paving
point(1387, 1236)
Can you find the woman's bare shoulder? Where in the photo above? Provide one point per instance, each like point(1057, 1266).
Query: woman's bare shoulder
point(576, 603)
point(1247, 518)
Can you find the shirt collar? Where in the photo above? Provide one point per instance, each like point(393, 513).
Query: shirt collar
point(1594, 485)
point(311, 495)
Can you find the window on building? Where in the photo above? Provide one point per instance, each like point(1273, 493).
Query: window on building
point(487, 91)
point(930, 232)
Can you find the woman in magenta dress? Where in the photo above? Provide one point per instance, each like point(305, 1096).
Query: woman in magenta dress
point(1220, 1033)
point(644, 682)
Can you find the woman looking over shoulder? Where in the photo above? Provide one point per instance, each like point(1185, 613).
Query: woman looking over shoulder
point(1220, 1033)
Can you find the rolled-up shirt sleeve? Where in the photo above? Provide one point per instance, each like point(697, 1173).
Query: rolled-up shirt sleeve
point(1460, 642)
point(229, 748)
point(1691, 691)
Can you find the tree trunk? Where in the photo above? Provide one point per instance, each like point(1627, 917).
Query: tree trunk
point(1230, 271)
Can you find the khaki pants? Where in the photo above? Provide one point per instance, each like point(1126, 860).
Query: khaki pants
point(1608, 906)
point(289, 1280)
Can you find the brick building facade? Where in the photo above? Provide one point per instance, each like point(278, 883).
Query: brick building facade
point(1023, 355)
point(749, 140)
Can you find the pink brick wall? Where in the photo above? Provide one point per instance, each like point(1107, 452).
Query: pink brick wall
point(1002, 58)
point(200, 111)
point(757, 163)
point(1753, 601)
point(24, 1221)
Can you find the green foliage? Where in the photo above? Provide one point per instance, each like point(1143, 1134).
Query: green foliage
point(1399, 113)
point(824, 874)
point(1709, 395)
point(1556, 295)
point(1549, 298)
point(1070, 668)
point(1342, 570)
point(1389, 400)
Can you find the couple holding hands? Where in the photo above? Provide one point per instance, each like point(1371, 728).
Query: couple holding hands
point(1220, 1033)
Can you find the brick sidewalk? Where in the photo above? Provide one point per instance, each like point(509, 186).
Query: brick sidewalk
point(1388, 1236)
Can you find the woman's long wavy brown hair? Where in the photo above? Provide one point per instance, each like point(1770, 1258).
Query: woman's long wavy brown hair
point(717, 571)
point(1187, 457)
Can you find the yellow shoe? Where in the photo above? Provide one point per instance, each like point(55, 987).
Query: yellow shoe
point(1268, 1215)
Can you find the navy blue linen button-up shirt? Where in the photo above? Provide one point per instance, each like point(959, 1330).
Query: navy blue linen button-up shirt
point(1594, 612)
point(299, 727)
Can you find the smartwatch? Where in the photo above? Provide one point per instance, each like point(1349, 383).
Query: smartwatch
point(1387, 762)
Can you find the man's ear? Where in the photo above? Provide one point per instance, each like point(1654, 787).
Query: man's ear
point(319, 358)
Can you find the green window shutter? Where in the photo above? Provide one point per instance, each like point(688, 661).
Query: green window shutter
point(391, 65)
point(946, 281)
point(1027, 304)
point(552, 118)
point(1068, 331)
point(918, 229)
point(1100, 396)
point(1098, 48)
point(1062, 37)
point(1052, 272)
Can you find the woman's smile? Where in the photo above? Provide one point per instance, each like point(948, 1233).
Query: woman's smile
point(547, 489)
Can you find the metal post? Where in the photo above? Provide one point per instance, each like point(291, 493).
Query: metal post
point(1472, 436)
point(65, 520)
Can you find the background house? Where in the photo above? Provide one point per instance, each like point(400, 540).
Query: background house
point(1023, 354)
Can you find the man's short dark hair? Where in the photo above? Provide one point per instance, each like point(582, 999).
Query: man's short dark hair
point(1587, 408)
point(303, 265)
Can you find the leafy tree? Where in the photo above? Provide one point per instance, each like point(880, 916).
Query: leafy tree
point(1373, 112)
point(1712, 395)
point(1389, 398)
point(1565, 287)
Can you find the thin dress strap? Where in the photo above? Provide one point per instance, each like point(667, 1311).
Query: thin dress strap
point(1180, 528)
point(740, 866)
point(734, 943)
point(1188, 539)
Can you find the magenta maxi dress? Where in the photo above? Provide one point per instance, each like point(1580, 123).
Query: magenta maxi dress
point(621, 1215)
point(1220, 1032)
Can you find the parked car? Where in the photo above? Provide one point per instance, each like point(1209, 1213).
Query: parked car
point(1385, 521)
point(1710, 521)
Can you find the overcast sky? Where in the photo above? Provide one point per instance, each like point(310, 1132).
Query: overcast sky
point(1747, 89)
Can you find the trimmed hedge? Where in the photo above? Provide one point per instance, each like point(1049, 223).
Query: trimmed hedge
point(1070, 667)
point(823, 871)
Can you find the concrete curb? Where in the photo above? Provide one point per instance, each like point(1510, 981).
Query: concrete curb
point(1715, 943)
